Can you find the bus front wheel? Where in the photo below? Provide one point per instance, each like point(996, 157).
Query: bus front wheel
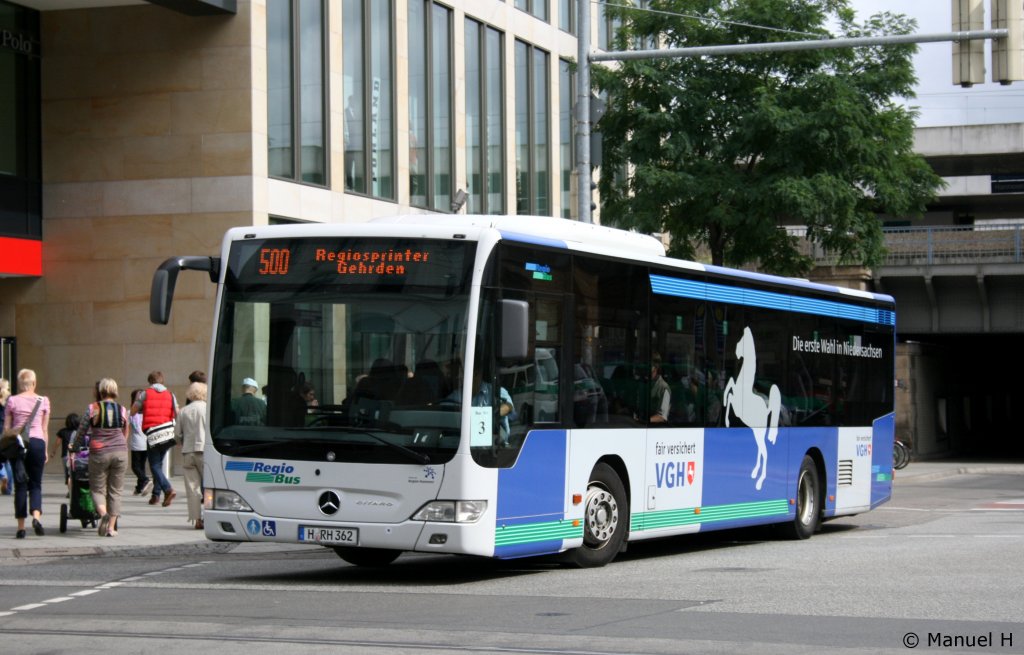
point(369, 557)
point(808, 502)
point(605, 519)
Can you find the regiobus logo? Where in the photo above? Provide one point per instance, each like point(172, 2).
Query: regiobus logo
point(265, 473)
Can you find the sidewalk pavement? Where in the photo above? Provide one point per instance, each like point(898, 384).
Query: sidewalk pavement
point(144, 528)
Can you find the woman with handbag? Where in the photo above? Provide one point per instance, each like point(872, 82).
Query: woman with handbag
point(30, 413)
point(106, 423)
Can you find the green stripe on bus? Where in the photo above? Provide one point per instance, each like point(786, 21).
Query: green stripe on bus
point(507, 535)
point(259, 477)
point(709, 514)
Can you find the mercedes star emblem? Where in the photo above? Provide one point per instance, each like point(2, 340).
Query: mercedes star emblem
point(329, 503)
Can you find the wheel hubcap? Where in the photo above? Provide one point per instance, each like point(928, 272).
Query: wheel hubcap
point(602, 516)
point(805, 499)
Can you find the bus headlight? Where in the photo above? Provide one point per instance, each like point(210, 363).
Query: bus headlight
point(221, 499)
point(451, 511)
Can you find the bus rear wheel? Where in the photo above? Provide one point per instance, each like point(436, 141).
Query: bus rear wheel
point(808, 502)
point(605, 519)
point(369, 557)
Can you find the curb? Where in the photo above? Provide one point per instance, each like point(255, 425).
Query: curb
point(116, 551)
point(968, 469)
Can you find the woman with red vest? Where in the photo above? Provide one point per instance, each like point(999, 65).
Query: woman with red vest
point(159, 408)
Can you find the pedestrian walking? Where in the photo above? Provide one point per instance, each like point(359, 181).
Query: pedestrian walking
point(64, 437)
point(159, 409)
point(31, 411)
point(106, 425)
point(190, 431)
point(6, 472)
point(137, 450)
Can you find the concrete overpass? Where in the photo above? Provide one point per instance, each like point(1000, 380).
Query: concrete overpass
point(957, 275)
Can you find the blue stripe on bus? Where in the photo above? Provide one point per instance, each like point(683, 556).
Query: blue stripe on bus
point(668, 286)
point(532, 492)
point(238, 466)
point(883, 434)
point(531, 238)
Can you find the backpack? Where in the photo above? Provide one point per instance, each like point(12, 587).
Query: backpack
point(108, 415)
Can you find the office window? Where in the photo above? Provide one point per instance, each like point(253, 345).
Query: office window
point(485, 136)
point(567, 16)
point(297, 90)
point(430, 104)
point(538, 8)
point(368, 78)
point(607, 27)
point(566, 129)
point(533, 183)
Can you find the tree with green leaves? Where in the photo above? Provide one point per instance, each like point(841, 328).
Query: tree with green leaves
point(723, 152)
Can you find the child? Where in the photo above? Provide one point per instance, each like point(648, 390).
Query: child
point(65, 435)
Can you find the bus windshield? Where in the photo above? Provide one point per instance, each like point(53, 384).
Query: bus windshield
point(341, 349)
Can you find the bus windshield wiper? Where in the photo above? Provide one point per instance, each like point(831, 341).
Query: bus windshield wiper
point(420, 458)
point(254, 447)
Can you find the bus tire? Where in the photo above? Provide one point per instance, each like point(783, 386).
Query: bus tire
point(605, 519)
point(369, 557)
point(808, 502)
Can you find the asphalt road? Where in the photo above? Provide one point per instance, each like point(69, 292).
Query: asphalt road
point(941, 564)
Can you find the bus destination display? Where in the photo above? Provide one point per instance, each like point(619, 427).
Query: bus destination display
point(351, 260)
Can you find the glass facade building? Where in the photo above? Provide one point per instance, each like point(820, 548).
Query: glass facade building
point(20, 147)
point(133, 133)
point(435, 98)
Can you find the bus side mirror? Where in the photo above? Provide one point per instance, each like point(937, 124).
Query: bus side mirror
point(161, 293)
point(515, 320)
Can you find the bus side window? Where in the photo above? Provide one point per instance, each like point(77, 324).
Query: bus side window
point(534, 384)
point(611, 299)
point(675, 334)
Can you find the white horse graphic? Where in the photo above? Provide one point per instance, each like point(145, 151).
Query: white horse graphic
point(761, 415)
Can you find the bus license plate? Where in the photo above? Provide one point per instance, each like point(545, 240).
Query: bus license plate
point(334, 536)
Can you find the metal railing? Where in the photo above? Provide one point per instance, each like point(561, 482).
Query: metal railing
point(927, 246)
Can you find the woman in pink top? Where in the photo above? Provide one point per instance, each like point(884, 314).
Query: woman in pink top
point(19, 408)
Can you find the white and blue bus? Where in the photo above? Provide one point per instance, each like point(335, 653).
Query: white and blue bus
point(615, 394)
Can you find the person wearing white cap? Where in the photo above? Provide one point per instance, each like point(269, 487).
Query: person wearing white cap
point(248, 409)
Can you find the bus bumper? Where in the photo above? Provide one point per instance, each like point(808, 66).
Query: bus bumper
point(420, 536)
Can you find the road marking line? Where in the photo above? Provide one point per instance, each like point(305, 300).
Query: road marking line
point(94, 590)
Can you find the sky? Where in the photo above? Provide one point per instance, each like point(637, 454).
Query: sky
point(939, 102)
